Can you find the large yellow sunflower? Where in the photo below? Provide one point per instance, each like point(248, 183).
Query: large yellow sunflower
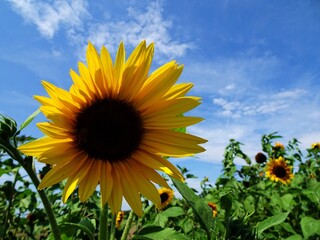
point(114, 125)
point(279, 171)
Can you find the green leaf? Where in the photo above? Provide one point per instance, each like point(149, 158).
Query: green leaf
point(187, 224)
point(153, 232)
point(84, 225)
point(160, 220)
point(310, 226)
point(200, 207)
point(63, 237)
point(173, 212)
point(288, 228)
point(287, 201)
point(271, 221)
point(295, 237)
point(226, 204)
point(29, 119)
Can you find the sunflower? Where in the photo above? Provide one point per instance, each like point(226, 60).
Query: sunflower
point(278, 170)
point(260, 158)
point(315, 145)
point(166, 196)
point(114, 125)
point(120, 217)
point(278, 146)
point(214, 208)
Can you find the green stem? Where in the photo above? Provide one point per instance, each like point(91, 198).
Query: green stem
point(113, 227)
point(127, 227)
point(7, 215)
point(103, 225)
point(14, 153)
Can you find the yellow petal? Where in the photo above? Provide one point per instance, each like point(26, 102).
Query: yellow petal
point(129, 188)
point(52, 130)
point(119, 66)
point(90, 180)
point(115, 200)
point(146, 188)
point(106, 182)
point(170, 123)
point(152, 175)
point(157, 162)
point(95, 69)
point(178, 90)
point(36, 147)
point(108, 71)
point(60, 172)
point(170, 108)
point(158, 83)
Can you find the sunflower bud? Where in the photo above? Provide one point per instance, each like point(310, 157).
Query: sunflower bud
point(8, 127)
point(260, 158)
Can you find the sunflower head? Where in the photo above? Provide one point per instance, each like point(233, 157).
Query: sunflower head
point(315, 146)
point(114, 126)
point(214, 208)
point(120, 217)
point(279, 171)
point(166, 196)
point(278, 146)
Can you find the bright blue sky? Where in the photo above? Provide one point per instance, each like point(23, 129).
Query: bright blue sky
point(255, 63)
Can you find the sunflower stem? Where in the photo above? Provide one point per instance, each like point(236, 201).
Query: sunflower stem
point(127, 227)
point(26, 163)
point(103, 226)
point(10, 200)
point(113, 227)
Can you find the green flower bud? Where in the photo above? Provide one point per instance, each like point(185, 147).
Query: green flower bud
point(8, 127)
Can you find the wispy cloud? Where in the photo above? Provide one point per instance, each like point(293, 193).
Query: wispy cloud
point(236, 75)
point(74, 16)
point(258, 105)
point(48, 17)
point(139, 24)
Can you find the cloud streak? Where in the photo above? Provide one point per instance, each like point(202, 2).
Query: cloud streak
point(75, 17)
point(49, 17)
point(259, 105)
point(139, 24)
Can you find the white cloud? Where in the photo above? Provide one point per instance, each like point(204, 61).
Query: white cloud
point(49, 17)
point(138, 24)
point(257, 105)
point(148, 24)
point(233, 76)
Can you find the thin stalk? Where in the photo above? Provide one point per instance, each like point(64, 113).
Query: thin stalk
point(14, 153)
point(127, 227)
point(113, 227)
point(103, 225)
point(6, 219)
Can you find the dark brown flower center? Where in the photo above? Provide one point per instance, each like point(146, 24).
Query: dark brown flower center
point(164, 197)
point(279, 171)
point(109, 130)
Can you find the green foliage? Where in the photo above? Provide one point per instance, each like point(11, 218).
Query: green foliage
point(248, 204)
point(202, 210)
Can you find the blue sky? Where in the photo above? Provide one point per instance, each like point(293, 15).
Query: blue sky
point(255, 63)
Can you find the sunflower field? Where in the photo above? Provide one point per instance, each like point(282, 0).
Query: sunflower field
point(111, 136)
point(263, 199)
